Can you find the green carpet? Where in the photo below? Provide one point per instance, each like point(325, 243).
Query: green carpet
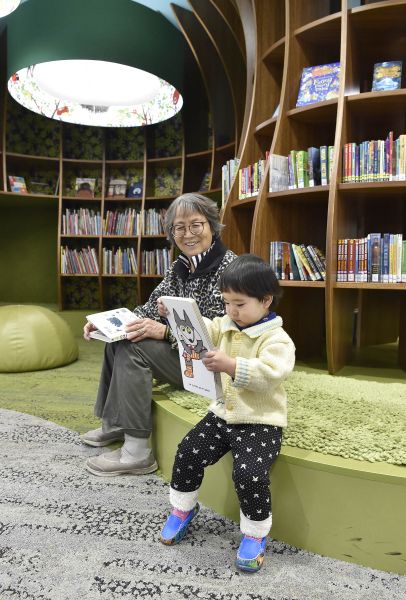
point(352, 415)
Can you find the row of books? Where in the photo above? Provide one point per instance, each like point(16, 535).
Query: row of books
point(155, 262)
point(297, 262)
point(375, 160)
point(120, 261)
point(79, 262)
point(250, 178)
point(301, 168)
point(378, 258)
point(84, 221)
point(153, 221)
point(228, 173)
point(119, 222)
point(81, 222)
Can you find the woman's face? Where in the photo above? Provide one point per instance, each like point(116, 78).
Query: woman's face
point(192, 233)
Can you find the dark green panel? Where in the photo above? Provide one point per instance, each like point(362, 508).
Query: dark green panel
point(28, 243)
point(119, 31)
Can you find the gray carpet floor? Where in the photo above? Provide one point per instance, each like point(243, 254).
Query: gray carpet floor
point(67, 535)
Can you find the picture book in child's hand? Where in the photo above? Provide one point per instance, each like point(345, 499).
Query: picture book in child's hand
point(111, 324)
point(319, 83)
point(17, 184)
point(387, 76)
point(194, 341)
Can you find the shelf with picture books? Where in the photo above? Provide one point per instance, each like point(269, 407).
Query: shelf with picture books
point(95, 173)
point(34, 177)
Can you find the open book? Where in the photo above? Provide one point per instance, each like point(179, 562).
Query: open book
point(110, 324)
point(194, 341)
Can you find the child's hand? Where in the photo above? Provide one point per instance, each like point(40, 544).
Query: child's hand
point(162, 310)
point(219, 362)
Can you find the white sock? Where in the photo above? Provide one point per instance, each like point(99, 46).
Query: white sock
point(134, 448)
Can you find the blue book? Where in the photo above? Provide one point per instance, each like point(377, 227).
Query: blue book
point(135, 189)
point(387, 76)
point(319, 83)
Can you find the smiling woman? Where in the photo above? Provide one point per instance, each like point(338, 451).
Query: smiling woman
point(125, 391)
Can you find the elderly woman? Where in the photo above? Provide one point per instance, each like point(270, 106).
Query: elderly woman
point(125, 389)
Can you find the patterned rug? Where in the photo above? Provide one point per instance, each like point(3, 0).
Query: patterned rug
point(67, 535)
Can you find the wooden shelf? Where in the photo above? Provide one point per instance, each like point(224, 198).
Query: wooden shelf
point(307, 35)
point(319, 192)
point(275, 53)
point(302, 284)
point(31, 159)
point(399, 287)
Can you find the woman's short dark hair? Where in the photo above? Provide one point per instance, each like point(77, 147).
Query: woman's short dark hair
point(191, 203)
point(251, 275)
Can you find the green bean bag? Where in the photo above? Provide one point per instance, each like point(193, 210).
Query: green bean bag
point(33, 338)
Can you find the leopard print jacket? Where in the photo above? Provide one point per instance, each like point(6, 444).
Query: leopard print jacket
point(200, 285)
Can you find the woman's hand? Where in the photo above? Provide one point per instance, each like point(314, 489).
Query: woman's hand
point(87, 330)
point(141, 329)
point(162, 310)
point(219, 362)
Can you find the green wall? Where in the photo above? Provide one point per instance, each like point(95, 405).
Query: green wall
point(28, 245)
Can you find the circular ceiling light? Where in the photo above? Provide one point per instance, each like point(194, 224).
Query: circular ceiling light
point(93, 92)
point(8, 6)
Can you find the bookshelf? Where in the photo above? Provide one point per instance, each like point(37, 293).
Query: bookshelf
point(177, 156)
point(329, 321)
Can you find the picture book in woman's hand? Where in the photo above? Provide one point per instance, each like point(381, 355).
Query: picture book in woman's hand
point(111, 324)
point(194, 341)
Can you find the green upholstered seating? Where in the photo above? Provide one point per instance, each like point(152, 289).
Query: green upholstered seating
point(34, 338)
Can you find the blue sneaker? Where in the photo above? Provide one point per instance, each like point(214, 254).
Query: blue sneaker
point(250, 555)
point(175, 529)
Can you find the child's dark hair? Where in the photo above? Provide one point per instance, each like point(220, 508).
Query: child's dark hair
point(251, 275)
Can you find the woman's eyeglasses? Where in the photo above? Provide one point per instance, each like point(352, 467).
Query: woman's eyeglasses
point(195, 228)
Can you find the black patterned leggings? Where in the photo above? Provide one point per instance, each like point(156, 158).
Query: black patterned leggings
point(254, 448)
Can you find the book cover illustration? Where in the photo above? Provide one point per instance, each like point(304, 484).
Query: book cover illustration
point(111, 324)
point(387, 76)
point(17, 184)
point(84, 187)
point(194, 341)
point(319, 83)
point(135, 189)
point(117, 188)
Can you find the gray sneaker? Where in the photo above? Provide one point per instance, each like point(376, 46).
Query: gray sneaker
point(109, 465)
point(97, 437)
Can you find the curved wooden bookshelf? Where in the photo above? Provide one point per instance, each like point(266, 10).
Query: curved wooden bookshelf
point(341, 317)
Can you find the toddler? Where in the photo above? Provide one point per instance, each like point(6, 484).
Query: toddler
point(254, 355)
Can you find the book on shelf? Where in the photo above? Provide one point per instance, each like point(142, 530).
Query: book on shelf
point(111, 324)
point(313, 159)
point(319, 83)
point(17, 184)
point(135, 189)
point(278, 173)
point(117, 188)
point(85, 186)
point(387, 76)
point(188, 326)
